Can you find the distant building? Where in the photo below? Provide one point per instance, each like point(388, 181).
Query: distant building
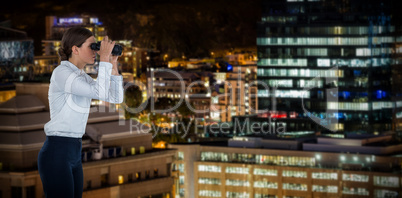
point(245, 58)
point(44, 65)
point(191, 64)
point(57, 25)
point(289, 167)
point(118, 158)
point(16, 55)
point(139, 60)
point(174, 85)
point(237, 93)
point(201, 104)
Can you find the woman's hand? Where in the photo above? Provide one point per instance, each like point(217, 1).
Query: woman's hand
point(106, 49)
point(115, 69)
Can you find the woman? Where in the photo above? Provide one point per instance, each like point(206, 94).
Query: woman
point(70, 94)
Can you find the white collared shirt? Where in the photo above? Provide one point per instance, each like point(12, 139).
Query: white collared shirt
point(70, 93)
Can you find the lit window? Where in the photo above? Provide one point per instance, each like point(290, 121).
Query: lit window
point(300, 174)
point(138, 175)
point(235, 182)
point(212, 181)
point(386, 181)
point(121, 179)
point(355, 177)
point(292, 186)
point(265, 184)
point(329, 189)
point(355, 191)
point(180, 155)
point(209, 193)
point(385, 193)
point(181, 180)
point(237, 170)
point(237, 194)
point(333, 176)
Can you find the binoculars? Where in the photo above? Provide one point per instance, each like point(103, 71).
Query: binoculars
point(117, 49)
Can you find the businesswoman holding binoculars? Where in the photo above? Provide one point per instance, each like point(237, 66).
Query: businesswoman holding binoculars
point(70, 93)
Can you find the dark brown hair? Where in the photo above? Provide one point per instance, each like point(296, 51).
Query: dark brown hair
point(73, 36)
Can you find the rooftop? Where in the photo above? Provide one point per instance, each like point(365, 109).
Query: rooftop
point(23, 117)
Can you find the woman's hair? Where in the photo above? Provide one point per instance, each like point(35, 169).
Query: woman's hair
point(73, 36)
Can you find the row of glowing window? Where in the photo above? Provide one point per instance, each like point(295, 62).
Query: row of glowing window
point(374, 51)
point(326, 62)
point(336, 30)
point(303, 187)
point(378, 193)
point(289, 83)
point(289, 186)
point(272, 84)
point(258, 159)
point(361, 106)
point(325, 41)
point(391, 181)
point(270, 159)
point(304, 73)
point(381, 193)
point(285, 93)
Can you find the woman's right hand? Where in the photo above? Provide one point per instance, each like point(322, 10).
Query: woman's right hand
point(106, 48)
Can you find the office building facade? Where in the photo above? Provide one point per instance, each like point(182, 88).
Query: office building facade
point(249, 167)
point(329, 63)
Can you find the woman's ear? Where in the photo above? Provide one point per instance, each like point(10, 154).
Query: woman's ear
point(74, 50)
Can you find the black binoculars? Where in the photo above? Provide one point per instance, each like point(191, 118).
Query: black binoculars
point(117, 49)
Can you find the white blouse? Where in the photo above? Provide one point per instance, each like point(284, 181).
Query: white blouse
point(70, 93)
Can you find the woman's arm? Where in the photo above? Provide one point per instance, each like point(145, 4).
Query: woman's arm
point(71, 82)
point(116, 92)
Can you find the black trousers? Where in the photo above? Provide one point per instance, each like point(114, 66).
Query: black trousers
point(60, 167)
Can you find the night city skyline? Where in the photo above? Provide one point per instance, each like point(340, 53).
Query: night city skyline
point(222, 98)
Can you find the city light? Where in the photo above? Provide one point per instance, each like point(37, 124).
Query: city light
point(343, 158)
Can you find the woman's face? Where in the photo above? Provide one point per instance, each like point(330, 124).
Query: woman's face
point(88, 55)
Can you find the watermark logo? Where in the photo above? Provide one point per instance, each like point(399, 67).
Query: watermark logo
point(232, 96)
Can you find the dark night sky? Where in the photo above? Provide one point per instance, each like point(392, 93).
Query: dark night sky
point(225, 23)
point(189, 26)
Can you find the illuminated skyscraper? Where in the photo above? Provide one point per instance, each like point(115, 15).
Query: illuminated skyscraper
point(328, 64)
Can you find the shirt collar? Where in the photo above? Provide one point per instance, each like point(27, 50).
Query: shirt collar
point(72, 66)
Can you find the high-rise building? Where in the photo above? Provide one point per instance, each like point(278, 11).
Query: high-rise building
point(328, 64)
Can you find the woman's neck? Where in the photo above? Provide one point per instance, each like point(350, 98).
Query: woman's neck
point(76, 62)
